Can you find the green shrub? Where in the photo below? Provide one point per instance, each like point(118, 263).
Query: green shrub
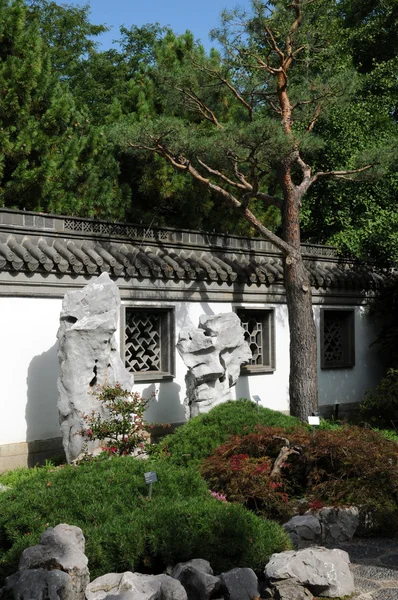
point(380, 406)
point(196, 439)
point(124, 530)
point(348, 465)
point(225, 534)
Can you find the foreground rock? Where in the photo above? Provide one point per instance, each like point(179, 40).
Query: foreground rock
point(38, 584)
point(88, 356)
point(328, 526)
point(239, 584)
point(197, 578)
point(61, 549)
point(213, 353)
point(324, 572)
point(135, 586)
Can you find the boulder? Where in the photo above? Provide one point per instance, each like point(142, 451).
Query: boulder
point(88, 357)
point(213, 353)
point(324, 572)
point(60, 548)
point(304, 530)
point(135, 586)
point(338, 524)
point(239, 584)
point(38, 584)
point(197, 578)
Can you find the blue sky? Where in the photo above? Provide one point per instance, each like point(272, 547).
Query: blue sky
point(197, 15)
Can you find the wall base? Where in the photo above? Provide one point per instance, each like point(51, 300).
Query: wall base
point(348, 410)
point(30, 454)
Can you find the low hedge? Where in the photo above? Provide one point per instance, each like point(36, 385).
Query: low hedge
point(124, 530)
point(197, 438)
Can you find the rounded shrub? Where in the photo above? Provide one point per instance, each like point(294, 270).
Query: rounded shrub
point(124, 529)
point(225, 534)
point(197, 438)
point(380, 406)
point(348, 465)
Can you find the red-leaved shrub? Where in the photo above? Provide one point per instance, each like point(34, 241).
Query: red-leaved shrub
point(346, 466)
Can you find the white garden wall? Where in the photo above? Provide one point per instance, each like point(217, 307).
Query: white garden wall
point(29, 367)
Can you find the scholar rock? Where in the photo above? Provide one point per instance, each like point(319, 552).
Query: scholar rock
point(213, 354)
point(60, 548)
point(324, 572)
point(88, 356)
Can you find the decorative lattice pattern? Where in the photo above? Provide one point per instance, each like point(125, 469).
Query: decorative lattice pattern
point(333, 338)
point(142, 341)
point(115, 229)
point(254, 336)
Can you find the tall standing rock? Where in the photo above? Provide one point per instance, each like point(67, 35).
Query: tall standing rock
point(213, 354)
point(88, 356)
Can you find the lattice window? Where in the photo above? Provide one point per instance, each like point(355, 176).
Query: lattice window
point(337, 338)
point(148, 342)
point(259, 334)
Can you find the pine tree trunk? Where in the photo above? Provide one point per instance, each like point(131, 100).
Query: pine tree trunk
point(303, 379)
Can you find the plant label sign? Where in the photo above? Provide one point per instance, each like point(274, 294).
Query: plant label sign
point(150, 477)
point(314, 420)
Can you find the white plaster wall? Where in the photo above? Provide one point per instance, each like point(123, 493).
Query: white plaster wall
point(167, 406)
point(29, 369)
point(338, 386)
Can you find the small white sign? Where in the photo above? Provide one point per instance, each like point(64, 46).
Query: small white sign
point(150, 477)
point(314, 421)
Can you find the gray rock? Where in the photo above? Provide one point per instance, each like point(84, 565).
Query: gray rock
point(60, 548)
point(88, 357)
point(338, 524)
point(198, 584)
point(290, 590)
point(304, 530)
point(38, 584)
point(213, 354)
point(239, 584)
point(324, 572)
point(135, 586)
point(198, 563)
point(328, 526)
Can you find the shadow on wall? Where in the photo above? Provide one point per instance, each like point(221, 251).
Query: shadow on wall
point(165, 402)
point(41, 409)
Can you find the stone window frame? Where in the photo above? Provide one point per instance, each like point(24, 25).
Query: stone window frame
point(167, 341)
point(268, 333)
point(347, 318)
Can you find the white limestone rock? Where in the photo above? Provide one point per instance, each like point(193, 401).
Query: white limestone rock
point(135, 585)
point(213, 354)
point(88, 356)
point(324, 572)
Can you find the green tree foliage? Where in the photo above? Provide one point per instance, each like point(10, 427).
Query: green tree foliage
point(362, 218)
point(246, 125)
point(51, 158)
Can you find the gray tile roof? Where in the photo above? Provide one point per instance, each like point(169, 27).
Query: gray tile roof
point(37, 243)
